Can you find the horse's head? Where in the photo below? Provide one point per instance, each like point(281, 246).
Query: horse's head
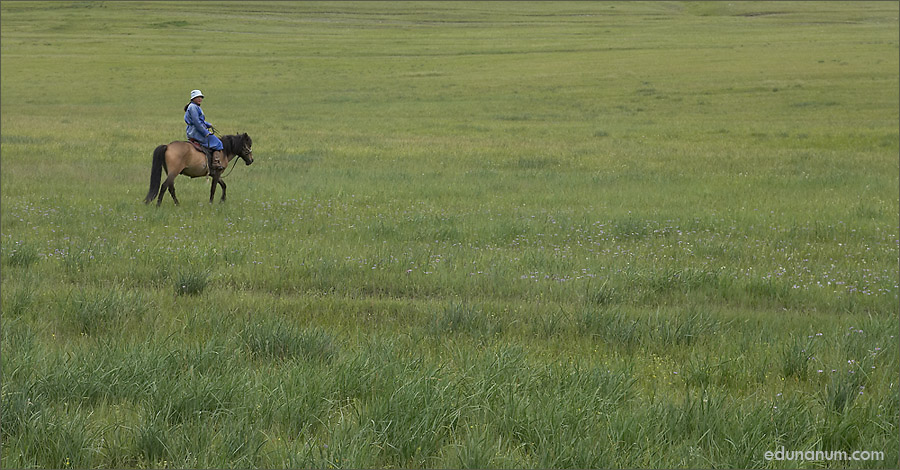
point(246, 152)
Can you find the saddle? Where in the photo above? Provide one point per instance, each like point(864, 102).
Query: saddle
point(206, 150)
point(199, 147)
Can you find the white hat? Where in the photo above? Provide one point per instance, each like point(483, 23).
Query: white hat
point(196, 93)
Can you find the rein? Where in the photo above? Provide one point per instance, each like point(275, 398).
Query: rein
point(233, 161)
point(233, 164)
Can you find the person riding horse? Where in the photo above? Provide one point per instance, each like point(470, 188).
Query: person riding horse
point(201, 132)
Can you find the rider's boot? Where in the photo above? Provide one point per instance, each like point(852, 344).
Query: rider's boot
point(217, 157)
point(209, 158)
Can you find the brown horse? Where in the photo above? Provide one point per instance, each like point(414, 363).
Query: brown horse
point(182, 158)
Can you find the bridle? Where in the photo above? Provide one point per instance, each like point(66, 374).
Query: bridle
point(242, 154)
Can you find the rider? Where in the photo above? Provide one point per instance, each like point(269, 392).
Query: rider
point(202, 132)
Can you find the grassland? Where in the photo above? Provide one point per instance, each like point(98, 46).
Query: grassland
point(475, 235)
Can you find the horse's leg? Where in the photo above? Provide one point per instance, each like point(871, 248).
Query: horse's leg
point(162, 192)
point(170, 185)
point(212, 189)
point(222, 183)
point(172, 192)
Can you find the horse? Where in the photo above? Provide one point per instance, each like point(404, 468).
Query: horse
point(182, 158)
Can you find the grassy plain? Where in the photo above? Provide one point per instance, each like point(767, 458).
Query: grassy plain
point(476, 235)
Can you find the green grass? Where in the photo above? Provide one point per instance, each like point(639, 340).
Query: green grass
point(475, 235)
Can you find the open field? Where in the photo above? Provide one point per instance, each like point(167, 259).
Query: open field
point(475, 235)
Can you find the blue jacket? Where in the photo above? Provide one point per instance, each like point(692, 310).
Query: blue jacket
point(198, 129)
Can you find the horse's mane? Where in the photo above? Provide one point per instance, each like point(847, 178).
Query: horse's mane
point(234, 144)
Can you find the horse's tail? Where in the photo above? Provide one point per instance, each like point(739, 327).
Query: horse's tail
point(159, 161)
